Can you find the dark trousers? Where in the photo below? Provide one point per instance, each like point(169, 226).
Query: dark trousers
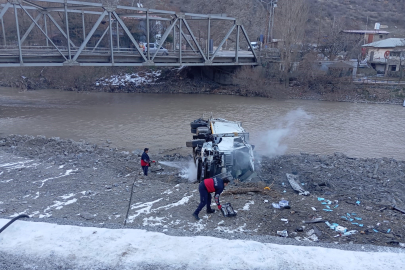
point(145, 170)
point(205, 198)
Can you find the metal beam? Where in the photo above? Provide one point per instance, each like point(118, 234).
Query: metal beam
point(60, 9)
point(67, 30)
point(30, 28)
point(208, 38)
point(5, 8)
point(46, 30)
point(18, 33)
point(180, 40)
point(86, 40)
point(60, 29)
point(101, 38)
point(189, 43)
point(118, 36)
point(237, 45)
point(222, 42)
point(194, 38)
point(111, 38)
point(129, 34)
point(4, 32)
point(42, 31)
point(165, 35)
point(34, 5)
point(147, 36)
point(248, 40)
point(84, 26)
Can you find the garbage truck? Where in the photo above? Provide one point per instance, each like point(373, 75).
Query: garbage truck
point(220, 146)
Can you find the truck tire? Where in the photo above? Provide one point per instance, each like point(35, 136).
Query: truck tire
point(195, 143)
point(202, 130)
point(199, 169)
point(198, 123)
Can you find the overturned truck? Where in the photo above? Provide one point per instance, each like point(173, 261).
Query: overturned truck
point(221, 146)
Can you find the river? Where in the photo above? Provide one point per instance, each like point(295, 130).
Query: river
point(161, 121)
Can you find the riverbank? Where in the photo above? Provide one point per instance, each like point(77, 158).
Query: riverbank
point(83, 184)
point(186, 80)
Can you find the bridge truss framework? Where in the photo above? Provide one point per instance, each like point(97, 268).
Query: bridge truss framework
point(41, 14)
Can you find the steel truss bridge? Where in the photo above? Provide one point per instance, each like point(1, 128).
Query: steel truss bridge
point(113, 22)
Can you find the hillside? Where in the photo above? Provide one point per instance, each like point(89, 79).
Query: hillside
point(350, 14)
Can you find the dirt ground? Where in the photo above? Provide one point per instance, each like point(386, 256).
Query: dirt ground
point(78, 183)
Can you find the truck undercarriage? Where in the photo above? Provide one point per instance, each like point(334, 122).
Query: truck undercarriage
point(221, 146)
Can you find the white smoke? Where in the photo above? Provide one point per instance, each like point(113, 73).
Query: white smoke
point(270, 142)
point(187, 170)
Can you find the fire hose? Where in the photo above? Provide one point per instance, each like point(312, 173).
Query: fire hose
point(11, 221)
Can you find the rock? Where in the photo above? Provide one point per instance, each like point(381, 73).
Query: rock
point(86, 216)
point(108, 186)
point(369, 208)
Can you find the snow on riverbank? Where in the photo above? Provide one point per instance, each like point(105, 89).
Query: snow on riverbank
point(98, 248)
point(136, 79)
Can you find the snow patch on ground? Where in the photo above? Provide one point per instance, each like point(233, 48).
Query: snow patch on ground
point(247, 205)
point(145, 209)
point(68, 172)
point(18, 165)
point(136, 79)
point(59, 205)
point(100, 248)
point(240, 229)
point(67, 196)
point(153, 221)
point(184, 200)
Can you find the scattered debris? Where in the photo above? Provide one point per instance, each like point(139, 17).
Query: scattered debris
point(284, 220)
point(291, 178)
point(398, 209)
point(283, 203)
point(340, 229)
point(314, 220)
point(283, 233)
point(276, 205)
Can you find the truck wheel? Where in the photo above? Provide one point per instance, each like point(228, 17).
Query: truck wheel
point(195, 143)
point(198, 123)
point(202, 130)
point(199, 169)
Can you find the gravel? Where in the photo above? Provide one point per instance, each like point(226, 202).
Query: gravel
point(78, 183)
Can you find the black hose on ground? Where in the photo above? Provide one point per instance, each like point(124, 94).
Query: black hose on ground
point(129, 205)
point(11, 221)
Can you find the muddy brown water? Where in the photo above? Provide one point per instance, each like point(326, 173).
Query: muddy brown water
point(161, 121)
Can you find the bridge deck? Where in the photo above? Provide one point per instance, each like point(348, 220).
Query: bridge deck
point(49, 57)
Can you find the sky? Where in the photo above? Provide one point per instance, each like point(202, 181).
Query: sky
point(100, 248)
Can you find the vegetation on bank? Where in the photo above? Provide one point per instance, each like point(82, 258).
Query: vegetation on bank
point(248, 81)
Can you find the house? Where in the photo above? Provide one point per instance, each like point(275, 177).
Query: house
point(386, 55)
point(368, 35)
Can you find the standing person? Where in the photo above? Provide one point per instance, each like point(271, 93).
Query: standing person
point(145, 161)
point(205, 188)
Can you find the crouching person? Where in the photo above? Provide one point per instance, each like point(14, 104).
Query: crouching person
point(206, 187)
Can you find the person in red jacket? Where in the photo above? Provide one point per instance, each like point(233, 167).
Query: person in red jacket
point(145, 161)
point(206, 187)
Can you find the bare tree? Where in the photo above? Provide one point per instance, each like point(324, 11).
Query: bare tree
point(291, 19)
